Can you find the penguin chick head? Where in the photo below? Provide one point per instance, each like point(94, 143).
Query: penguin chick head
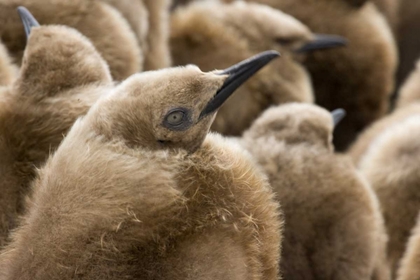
point(57, 58)
point(297, 123)
point(171, 108)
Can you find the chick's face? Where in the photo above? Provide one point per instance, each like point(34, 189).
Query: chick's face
point(163, 109)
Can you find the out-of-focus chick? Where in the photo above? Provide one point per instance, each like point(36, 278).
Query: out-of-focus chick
point(409, 267)
point(333, 227)
point(358, 78)
point(213, 35)
point(100, 22)
point(149, 20)
point(8, 71)
point(139, 190)
point(408, 104)
point(392, 167)
point(61, 76)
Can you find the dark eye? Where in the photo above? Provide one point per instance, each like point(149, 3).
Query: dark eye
point(285, 41)
point(175, 118)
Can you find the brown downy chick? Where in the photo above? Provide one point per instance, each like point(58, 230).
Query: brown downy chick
point(138, 190)
point(409, 266)
point(333, 227)
point(358, 78)
point(408, 104)
point(100, 22)
point(61, 76)
point(8, 71)
point(149, 20)
point(391, 165)
point(212, 35)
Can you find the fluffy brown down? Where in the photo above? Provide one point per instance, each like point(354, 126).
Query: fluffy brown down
point(410, 269)
point(358, 78)
point(8, 70)
point(37, 110)
point(391, 165)
point(214, 35)
point(149, 20)
point(124, 197)
point(101, 23)
point(408, 104)
point(333, 227)
point(390, 9)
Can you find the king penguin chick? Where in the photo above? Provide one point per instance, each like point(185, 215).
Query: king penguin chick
point(8, 71)
point(358, 78)
point(149, 20)
point(391, 165)
point(333, 227)
point(408, 104)
point(211, 34)
point(409, 268)
point(61, 76)
point(100, 22)
point(138, 190)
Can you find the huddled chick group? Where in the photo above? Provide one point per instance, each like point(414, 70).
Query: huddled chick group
point(125, 153)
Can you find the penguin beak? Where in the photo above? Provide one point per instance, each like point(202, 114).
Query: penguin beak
point(28, 20)
point(338, 115)
point(321, 42)
point(237, 75)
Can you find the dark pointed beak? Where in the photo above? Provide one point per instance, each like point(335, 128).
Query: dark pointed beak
point(338, 115)
point(321, 42)
point(237, 75)
point(28, 20)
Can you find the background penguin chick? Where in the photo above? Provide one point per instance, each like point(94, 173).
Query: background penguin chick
point(407, 105)
point(8, 71)
point(61, 76)
point(391, 165)
point(214, 35)
point(358, 78)
point(128, 195)
point(409, 267)
point(101, 23)
point(333, 227)
point(149, 20)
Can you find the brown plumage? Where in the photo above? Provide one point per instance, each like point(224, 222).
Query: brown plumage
point(390, 9)
point(358, 78)
point(8, 70)
point(213, 35)
point(410, 268)
point(149, 20)
point(100, 22)
point(333, 227)
point(391, 165)
point(138, 190)
point(51, 91)
point(408, 104)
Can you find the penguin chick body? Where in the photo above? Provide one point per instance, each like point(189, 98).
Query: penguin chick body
point(8, 71)
point(407, 105)
point(211, 34)
point(149, 20)
point(61, 76)
point(100, 22)
point(391, 165)
point(138, 190)
point(409, 268)
point(358, 78)
point(333, 227)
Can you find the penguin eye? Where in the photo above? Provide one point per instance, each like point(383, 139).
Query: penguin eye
point(177, 119)
point(285, 41)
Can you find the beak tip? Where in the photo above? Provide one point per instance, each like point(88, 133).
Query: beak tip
point(338, 115)
point(28, 19)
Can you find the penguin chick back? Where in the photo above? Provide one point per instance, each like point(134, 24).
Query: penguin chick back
point(333, 227)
